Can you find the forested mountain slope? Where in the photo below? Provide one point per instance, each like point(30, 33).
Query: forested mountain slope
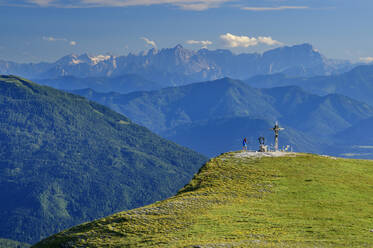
point(65, 160)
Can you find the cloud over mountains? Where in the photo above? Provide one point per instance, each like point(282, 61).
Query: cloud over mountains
point(366, 59)
point(53, 39)
point(149, 42)
point(232, 40)
point(204, 43)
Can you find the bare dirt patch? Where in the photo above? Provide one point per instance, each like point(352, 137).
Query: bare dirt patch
point(255, 154)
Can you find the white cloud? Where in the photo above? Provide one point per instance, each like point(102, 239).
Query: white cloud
point(50, 38)
point(204, 43)
point(275, 8)
point(54, 39)
point(366, 59)
point(149, 42)
point(238, 41)
point(231, 40)
point(42, 3)
point(268, 41)
point(201, 5)
point(197, 5)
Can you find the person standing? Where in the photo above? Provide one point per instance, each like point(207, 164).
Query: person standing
point(244, 144)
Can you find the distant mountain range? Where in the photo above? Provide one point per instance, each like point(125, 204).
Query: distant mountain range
point(357, 83)
point(178, 66)
point(123, 84)
point(65, 160)
point(212, 117)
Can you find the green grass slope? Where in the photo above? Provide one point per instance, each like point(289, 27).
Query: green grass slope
point(65, 160)
point(293, 201)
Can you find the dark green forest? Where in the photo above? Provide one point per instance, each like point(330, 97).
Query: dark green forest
point(65, 160)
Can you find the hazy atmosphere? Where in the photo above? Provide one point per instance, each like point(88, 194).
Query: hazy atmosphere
point(186, 123)
point(45, 30)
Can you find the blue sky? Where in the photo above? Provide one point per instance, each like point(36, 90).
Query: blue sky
point(45, 30)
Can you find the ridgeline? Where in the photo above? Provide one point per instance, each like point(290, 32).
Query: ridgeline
point(298, 200)
point(65, 160)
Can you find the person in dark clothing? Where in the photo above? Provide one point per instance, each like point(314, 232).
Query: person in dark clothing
point(244, 144)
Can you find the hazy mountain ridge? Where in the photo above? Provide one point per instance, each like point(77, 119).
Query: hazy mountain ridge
point(123, 84)
point(216, 136)
point(357, 83)
point(66, 160)
point(178, 65)
point(208, 107)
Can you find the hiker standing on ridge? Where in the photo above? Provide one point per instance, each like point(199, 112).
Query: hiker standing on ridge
point(244, 144)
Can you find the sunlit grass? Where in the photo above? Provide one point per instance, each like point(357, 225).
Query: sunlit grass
point(305, 201)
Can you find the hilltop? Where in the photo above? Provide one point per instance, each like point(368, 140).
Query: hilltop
point(298, 200)
point(65, 160)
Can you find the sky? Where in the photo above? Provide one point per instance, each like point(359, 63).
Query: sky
point(46, 30)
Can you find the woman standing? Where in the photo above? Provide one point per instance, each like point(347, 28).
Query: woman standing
point(244, 144)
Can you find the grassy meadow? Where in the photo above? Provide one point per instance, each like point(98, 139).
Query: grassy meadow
point(293, 201)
